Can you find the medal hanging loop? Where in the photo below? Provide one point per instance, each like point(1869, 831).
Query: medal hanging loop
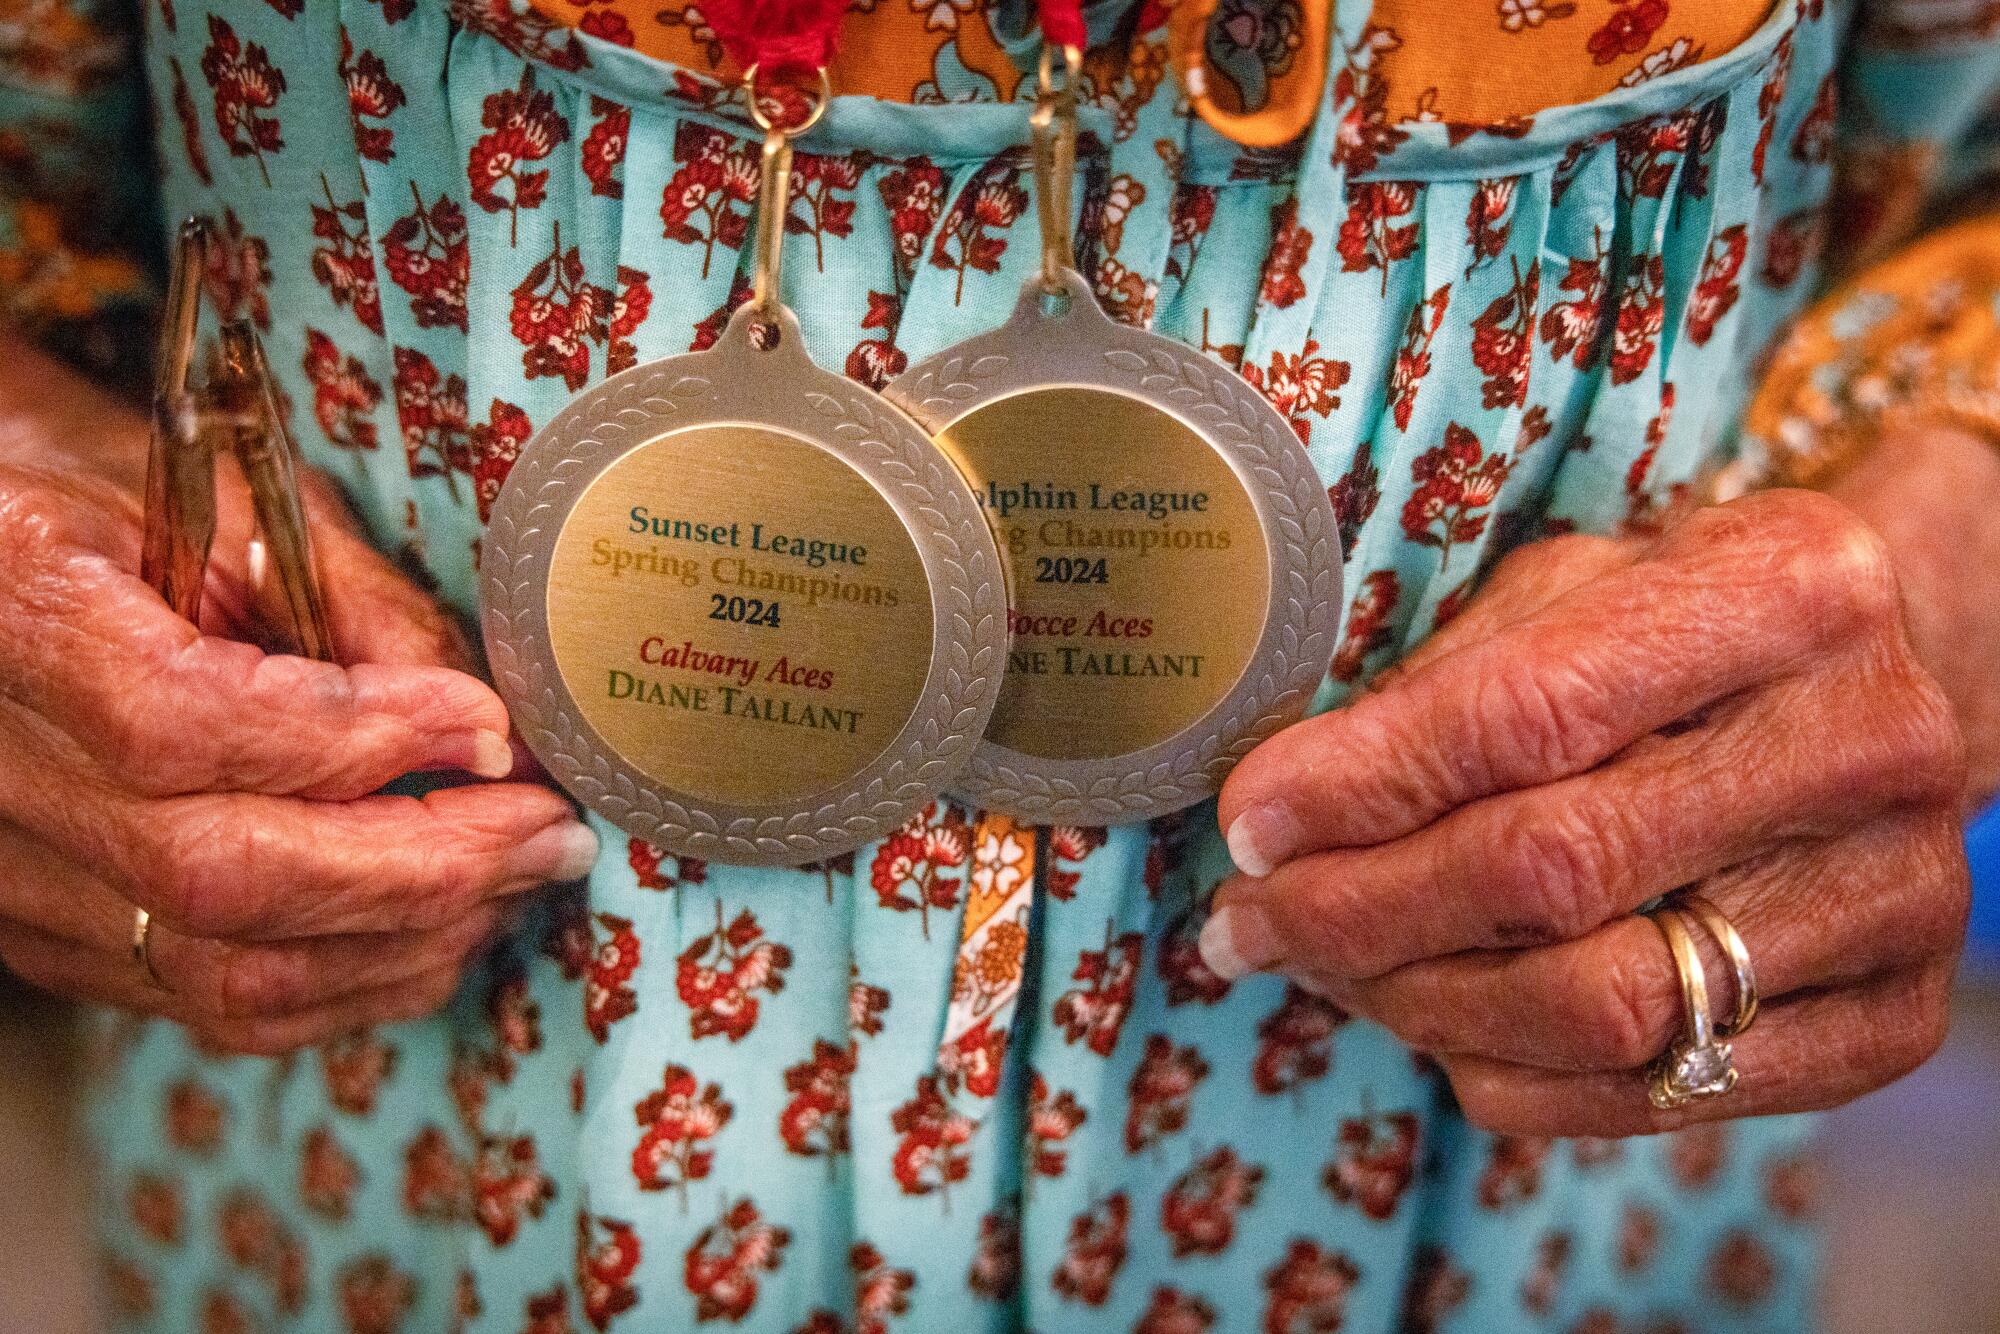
point(1053, 124)
point(774, 189)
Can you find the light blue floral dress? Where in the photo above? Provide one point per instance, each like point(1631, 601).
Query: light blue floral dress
point(689, 1096)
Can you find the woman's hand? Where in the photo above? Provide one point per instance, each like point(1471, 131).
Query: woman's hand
point(1459, 854)
point(145, 762)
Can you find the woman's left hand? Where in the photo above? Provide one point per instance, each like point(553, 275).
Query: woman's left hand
point(1460, 853)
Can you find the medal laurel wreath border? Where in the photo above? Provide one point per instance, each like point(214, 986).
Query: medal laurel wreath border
point(960, 559)
point(1084, 348)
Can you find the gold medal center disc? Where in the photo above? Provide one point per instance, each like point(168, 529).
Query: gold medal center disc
point(1140, 581)
point(740, 615)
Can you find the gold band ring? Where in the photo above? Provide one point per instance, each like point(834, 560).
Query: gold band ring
point(1695, 1066)
point(1726, 936)
point(142, 947)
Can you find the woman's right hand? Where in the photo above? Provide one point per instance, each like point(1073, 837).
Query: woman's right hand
point(232, 793)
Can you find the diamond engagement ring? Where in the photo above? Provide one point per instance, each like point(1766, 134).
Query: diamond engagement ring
point(1696, 1065)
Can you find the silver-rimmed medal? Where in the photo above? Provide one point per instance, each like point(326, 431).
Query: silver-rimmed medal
point(1174, 561)
point(739, 606)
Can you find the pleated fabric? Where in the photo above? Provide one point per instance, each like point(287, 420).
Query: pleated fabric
point(688, 1095)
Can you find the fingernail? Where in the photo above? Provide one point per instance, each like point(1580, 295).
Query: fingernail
point(564, 851)
point(479, 753)
point(1263, 838)
point(1237, 940)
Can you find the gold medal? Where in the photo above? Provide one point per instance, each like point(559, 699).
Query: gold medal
point(1174, 560)
point(742, 607)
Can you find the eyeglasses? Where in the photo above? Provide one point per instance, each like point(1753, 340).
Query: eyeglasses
point(234, 409)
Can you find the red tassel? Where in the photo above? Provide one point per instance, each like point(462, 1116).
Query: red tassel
point(777, 35)
point(1062, 23)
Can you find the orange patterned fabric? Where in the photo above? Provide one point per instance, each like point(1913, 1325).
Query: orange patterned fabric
point(1483, 62)
point(1917, 336)
point(1470, 62)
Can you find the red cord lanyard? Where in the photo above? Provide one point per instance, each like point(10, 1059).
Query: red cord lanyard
point(1062, 23)
point(777, 36)
point(800, 36)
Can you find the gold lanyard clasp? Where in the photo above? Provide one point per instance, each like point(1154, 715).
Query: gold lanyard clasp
point(1053, 124)
point(774, 185)
point(235, 407)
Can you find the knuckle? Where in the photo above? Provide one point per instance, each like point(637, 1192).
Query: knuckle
point(1910, 1043)
point(197, 868)
point(259, 983)
point(1316, 931)
point(1803, 558)
point(425, 698)
point(1798, 515)
point(1549, 874)
point(1905, 748)
point(1940, 929)
point(134, 741)
point(1407, 785)
point(1845, 569)
point(1936, 758)
point(1484, 1104)
point(1713, 523)
point(448, 886)
point(1632, 1014)
point(1923, 898)
point(1533, 721)
point(30, 516)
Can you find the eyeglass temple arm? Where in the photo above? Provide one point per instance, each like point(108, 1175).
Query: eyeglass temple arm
point(270, 463)
point(180, 470)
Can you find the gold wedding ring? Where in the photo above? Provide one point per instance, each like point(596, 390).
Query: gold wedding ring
point(1725, 934)
point(142, 947)
point(1696, 1065)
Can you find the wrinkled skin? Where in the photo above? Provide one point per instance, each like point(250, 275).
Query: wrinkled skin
point(145, 761)
point(1459, 853)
